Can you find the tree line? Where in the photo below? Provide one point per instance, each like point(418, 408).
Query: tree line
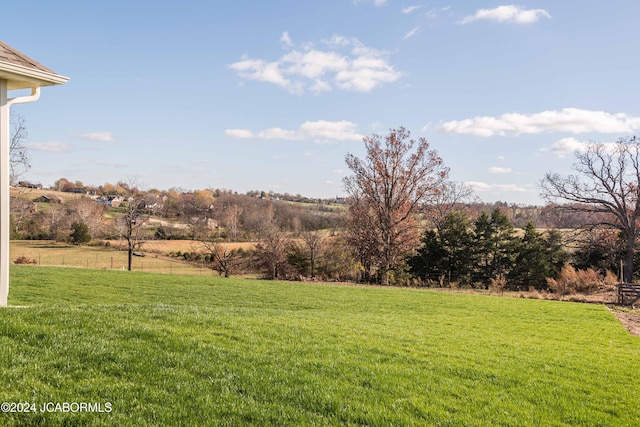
point(404, 222)
point(488, 252)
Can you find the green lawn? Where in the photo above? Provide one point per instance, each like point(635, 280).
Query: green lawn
point(188, 350)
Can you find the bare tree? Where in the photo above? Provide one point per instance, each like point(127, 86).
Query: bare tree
point(232, 221)
point(225, 261)
point(19, 156)
point(133, 218)
point(606, 187)
point(396, 177)
point(271, 252)
point(88, 212)
point(453, 195)
point(362, 234)
point(313, 243)
point(23, 213)
point(130, 225)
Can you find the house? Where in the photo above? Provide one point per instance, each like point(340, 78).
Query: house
point(76, 190)
point(210, 223)
point(48, 198)
point(27, 184)
point(113, 201)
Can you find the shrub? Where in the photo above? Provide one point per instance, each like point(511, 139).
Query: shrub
point(24, 260)
point(572, 281)
point(498, 283)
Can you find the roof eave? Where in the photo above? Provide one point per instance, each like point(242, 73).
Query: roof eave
point(21, 77)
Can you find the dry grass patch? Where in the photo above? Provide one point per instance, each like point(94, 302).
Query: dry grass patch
point(48, 253)
point(166, 246)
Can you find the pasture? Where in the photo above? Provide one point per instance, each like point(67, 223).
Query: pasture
point(188, 350)
point(49, 253)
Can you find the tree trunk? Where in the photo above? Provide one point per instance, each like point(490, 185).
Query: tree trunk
point(629, 255)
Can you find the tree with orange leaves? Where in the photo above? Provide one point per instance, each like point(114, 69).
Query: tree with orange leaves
point(386, 189)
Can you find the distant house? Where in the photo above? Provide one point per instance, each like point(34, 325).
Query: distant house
point(27, 184)
point(76, 190)
point(48, 198)
point(210, 223)
point(113, 201)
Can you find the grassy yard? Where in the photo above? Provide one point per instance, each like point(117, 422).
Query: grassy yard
point(188, 350)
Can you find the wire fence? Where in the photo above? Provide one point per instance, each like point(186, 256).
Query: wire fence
point(98, 258)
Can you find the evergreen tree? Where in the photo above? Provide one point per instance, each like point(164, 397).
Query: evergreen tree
point(532, 265)
point(80, 233)
point(429, 263)
point(493, 246)
point(556, 252)
point(537, 258)
point(455, 236)
point(444, 255)
point(462, 253)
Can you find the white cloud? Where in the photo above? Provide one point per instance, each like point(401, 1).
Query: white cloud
point(485, 187)
point(346, 64)
point(57, 147)
point(507, 13)
point(565, 146)
point(411, 33)
point(496, 169)
point(318, 131)
point(239, 133)
point(411, 9)
point(333, 131)
point(271, 133)
point(375, 2)
point(320, 86)
point(277, 133)
point(97, 136)
point(572, 120)
point(435, 13)
point(269, 72)
point(286, 40)
point(314, 64)
point(570, 145)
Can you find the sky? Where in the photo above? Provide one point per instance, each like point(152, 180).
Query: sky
point(272, 95)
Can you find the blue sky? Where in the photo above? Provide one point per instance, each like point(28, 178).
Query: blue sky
point(272, 95)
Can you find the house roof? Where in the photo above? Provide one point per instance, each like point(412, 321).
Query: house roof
point(48, 197)
point(23, 72)
point(9, 54)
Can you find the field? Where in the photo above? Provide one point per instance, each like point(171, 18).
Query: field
point(46, 253)
point(186, 350)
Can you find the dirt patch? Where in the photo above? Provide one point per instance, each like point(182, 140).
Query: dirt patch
point(630, 320)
